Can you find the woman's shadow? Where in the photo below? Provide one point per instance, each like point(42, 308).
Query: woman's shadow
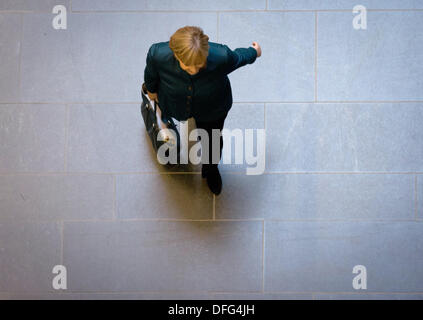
point(184, 194)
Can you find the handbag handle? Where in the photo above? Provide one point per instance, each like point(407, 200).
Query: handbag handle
point(147, 99)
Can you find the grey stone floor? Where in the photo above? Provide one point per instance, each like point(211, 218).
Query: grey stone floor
point(343, 185)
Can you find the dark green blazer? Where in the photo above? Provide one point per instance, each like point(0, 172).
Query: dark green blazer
point(207, 95)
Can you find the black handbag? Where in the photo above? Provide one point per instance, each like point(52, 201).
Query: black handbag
point(149, 115)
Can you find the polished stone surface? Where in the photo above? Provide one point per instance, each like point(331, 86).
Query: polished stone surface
point(80, 184)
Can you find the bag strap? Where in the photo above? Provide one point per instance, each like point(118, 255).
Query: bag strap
point(147, 99)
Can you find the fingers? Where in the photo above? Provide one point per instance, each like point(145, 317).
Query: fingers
point(257, 47)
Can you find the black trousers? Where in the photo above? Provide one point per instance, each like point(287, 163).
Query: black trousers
point(208, 126)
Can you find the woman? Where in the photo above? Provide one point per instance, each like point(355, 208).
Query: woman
point(188, 76)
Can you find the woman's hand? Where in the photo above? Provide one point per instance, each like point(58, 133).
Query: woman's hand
point(152, 96)
point(258, 48)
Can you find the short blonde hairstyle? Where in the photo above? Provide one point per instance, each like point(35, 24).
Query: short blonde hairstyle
point(190, 45)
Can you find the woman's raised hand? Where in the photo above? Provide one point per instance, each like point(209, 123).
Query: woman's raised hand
point(258, 48)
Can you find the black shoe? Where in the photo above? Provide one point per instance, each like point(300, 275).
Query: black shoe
point(214, 180)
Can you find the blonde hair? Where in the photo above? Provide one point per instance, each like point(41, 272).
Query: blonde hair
point(190, 45)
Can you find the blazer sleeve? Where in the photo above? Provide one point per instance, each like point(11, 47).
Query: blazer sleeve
point(151, 76)
point(239, 57)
